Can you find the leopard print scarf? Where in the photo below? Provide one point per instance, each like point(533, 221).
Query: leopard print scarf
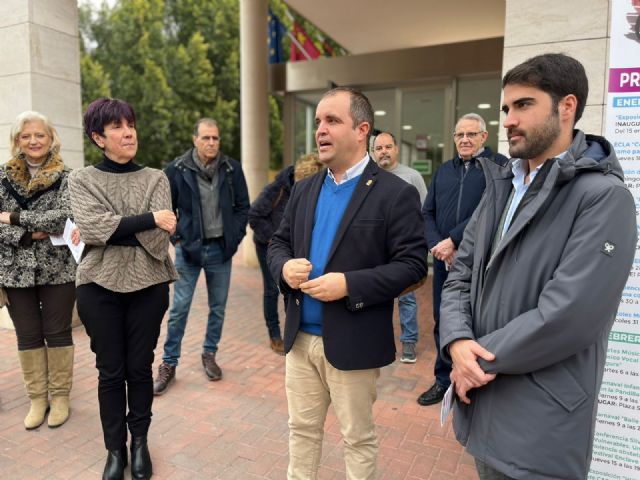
point(26, 185)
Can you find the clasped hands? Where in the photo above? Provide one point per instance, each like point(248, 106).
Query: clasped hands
point(467, 373)
point(326, 288)
point(445, 251)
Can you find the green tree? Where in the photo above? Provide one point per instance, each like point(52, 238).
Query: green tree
point(276, 133)
point(190, 75)
point(95, 84)
point(218, 21)
point(157, 55)
point(175, 61)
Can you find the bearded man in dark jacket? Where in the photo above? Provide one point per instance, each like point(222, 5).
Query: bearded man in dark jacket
point(534, 289)
point(210, 199)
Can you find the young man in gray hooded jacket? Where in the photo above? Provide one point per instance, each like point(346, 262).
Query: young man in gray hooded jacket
point(533, 293)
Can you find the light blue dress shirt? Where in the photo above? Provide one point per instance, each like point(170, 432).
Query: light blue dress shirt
point(520, 188)
point(353, 172)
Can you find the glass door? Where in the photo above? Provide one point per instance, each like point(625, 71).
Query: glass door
point(426, 114)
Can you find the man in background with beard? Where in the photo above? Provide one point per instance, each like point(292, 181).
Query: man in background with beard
point(533, 292)
point(385, 153)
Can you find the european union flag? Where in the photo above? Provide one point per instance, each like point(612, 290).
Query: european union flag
point(277, 31)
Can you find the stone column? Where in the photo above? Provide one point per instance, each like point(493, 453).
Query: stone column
point(40, 70)
point(549, 26)
point(254, 111)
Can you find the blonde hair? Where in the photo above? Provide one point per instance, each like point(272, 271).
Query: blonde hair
point(18, 126)
point(307, 165)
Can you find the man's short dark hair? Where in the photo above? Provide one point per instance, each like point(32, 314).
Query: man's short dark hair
point(557, 74)
point(393, 137)
point(102, 112)
point(207, 121)
point(359, 107)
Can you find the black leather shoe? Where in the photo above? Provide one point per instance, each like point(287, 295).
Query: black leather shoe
point(140, 459)
point(432, 396)
point(116, 462)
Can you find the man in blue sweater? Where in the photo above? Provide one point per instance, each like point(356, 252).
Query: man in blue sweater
point(351, 240)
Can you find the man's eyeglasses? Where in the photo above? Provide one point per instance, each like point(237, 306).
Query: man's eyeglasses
point(470, 135)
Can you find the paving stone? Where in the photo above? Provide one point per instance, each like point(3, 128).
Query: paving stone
point(236, 428)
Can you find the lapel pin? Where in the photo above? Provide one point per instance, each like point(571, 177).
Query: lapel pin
point(369, 182)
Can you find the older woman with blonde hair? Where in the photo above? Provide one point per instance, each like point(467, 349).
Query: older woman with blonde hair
point(264, 218)
point(38, 277)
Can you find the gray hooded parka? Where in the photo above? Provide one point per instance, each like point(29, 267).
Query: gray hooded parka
point(544, 304)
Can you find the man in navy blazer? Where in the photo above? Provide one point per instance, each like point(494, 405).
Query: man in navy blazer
point(350, 242)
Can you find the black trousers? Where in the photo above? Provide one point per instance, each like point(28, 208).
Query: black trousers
point(124, 329)
point(42, 313)
point(441, 369)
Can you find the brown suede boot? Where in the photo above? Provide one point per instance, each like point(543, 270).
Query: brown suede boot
point(34, 371)
point(60, 381)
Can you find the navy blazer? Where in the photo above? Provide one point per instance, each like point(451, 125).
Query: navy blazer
point(379, 246)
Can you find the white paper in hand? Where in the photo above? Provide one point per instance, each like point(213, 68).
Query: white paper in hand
point(57, 240)
point(76, 250)
point(447, 404)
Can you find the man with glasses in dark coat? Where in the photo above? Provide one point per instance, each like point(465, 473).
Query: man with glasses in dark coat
point(454, 193)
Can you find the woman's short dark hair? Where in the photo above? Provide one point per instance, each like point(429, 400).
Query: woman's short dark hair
point(557, 74)
point(102, 112)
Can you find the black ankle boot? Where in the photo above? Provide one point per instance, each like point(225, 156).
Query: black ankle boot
point(140, 459)
point(116, 462)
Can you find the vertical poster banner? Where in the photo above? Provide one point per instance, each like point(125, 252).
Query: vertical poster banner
point(616, 448)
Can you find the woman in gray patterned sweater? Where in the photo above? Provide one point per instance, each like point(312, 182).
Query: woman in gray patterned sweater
point(123, 212)
point(37, 276)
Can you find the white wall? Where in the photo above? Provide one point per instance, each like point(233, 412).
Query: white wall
point(573, 27)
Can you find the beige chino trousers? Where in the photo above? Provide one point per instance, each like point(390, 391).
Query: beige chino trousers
point(312, 383)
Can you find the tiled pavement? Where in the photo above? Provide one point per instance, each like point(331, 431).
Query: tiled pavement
point(234, 429)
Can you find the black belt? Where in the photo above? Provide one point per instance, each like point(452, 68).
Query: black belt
point(207, 241)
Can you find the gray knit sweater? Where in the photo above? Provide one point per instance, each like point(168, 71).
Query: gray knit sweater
point(99, 201)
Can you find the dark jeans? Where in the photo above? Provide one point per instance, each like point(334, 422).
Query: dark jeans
point(442, 369)
point(42, 314)
point(408, 314)
point(124, 329)
point(270, 296)
point(217, 273)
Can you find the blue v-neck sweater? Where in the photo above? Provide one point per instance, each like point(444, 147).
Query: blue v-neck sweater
point(332, 202)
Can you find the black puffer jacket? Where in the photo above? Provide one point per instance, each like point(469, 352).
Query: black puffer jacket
point(267, 210)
